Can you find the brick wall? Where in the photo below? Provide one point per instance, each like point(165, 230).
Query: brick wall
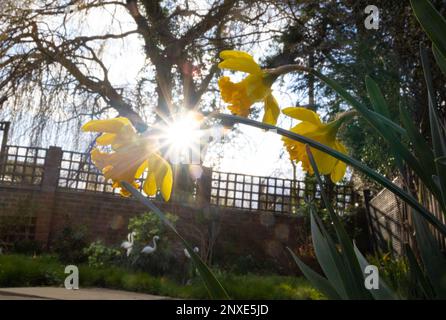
point(262, 235)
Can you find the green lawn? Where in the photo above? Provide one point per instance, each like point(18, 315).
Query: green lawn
point(22, 271)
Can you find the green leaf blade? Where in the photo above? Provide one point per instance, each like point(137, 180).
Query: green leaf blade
point(422, 150)
point(439, 58)
point(384, 292)
point(433, 259)
point(432, 22)
point(419, 280)
point(353, 271)
point(329, 259)
point(376, 97)
point(437, 131)
point(319, 282)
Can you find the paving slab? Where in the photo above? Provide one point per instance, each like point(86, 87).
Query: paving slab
point(54, 293)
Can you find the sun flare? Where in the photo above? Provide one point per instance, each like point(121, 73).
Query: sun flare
point(182, 136)
point(183, 132)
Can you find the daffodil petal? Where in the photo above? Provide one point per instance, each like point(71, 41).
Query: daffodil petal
point(340, 147)
point(340, 168)
point(141, 169)
point(166, 187)
point(99, 158)
point(238, 61)
point(124, 193)
point(149, 186)
point(272, 110)
point(132, 155)
point(325, 163)
point(303, 114)
point(106, 139)
point(163, 174)
point(240, 64)
point(338, 172)
point(305, 129)
point(109, 125)
point(230, 54)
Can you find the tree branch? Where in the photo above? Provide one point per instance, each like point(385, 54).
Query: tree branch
point(103, 88)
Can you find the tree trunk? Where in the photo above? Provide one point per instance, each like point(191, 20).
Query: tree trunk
point(164, 90)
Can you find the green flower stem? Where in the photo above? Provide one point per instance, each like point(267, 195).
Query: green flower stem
point(230, 119)
point(298, 68)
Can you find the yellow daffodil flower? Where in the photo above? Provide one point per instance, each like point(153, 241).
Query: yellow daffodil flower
point(254, 88)
point(325, 133)
point(131, 155)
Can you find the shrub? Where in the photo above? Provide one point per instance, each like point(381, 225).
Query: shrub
point(69, 245)
point(99, 255)
point(163, 260)
point(148, 225)
point(268, 287)
point(395, 272)
point(247, 264)
point(27, 246)
point(21, 271)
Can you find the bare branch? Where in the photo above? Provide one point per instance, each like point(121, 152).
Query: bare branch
point(104, 88)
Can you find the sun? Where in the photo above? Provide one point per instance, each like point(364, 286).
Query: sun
point(182, 136)
point(183, 131)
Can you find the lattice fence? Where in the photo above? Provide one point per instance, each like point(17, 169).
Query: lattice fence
point(14, 228)
point(22, 165)
point(272, 194)
point(390, 221)
point(78, 172)
point(386, 217)
point(25, 165)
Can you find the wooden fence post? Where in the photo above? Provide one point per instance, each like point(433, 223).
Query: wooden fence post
point(4, 126)
point(50, 179)
point(204, 188)
point(367, 198)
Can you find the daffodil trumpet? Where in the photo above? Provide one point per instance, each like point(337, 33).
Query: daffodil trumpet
point(226, 118)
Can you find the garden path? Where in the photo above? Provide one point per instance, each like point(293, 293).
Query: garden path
point(54, 293)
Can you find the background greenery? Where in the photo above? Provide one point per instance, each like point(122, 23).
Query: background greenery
point(330, 36)
point(20, 271)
